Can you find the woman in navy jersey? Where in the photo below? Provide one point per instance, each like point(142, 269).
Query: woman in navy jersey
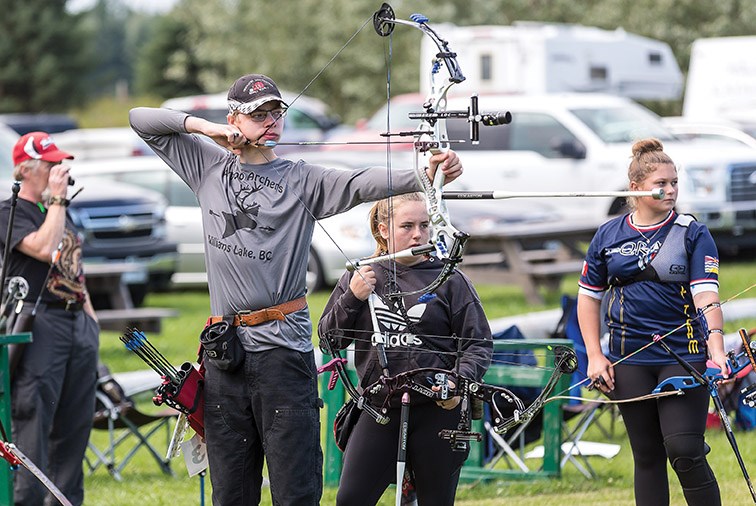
point(656, 269)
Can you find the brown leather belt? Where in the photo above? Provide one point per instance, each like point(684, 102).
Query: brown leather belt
point(251, 318)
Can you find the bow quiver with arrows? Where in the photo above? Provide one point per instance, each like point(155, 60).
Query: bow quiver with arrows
point(182, 389)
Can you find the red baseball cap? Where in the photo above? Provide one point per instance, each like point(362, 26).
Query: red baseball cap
point(38, 146)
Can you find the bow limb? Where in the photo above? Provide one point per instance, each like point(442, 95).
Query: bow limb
point(338, 366)
point(565, 362)
point(15, 456)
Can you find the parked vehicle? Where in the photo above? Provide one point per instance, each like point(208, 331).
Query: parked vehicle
point(723, 130)
point(23, 123)
point(721, 81)
point(102, 143)
point(581, 142)
point(118, 223)
point(536, 57)
point(308, 119)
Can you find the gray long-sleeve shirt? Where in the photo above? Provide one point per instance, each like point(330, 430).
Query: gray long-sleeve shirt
point(258, 220)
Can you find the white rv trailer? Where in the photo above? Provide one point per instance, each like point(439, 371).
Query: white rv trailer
point(530, 57)
point(722, 80)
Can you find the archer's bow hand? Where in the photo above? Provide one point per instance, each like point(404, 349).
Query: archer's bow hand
point(363, 282)
point(451, 402)
point(601, 373)
point(720, 359)
point(450, 164)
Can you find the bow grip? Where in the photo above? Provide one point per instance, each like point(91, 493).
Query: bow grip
point(331, 367)
point(679, 383)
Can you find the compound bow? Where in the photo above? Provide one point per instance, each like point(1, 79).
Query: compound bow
point(431, 137)
point(508, 410)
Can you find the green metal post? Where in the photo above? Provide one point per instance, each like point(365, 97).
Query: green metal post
point(6, 474)
point(332, 458)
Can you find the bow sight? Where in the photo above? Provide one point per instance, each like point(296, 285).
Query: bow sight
point(384, 21)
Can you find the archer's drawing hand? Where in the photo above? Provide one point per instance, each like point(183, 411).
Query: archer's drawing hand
point(449, 163)
point(228, 136)
point(362, 283)
point(231, 138)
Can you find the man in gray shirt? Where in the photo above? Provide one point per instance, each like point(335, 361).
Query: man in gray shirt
point(258, 214)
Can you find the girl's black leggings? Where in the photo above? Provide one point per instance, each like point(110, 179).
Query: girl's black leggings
point(670, 428)
point(370, 457)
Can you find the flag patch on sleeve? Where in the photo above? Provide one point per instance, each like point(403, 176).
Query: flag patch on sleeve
point(585, 269)
point(711, 265)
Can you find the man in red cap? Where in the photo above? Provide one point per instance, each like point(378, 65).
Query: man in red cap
point(53, 386)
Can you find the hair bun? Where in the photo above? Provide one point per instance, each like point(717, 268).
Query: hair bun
point(647, 146)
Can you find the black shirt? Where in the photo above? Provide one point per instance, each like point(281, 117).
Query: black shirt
point(66, 281)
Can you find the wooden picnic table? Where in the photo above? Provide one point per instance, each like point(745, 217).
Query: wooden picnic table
point(529, 254)
point(107, 280)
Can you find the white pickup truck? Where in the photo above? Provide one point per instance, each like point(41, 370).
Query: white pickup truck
point(582, 142)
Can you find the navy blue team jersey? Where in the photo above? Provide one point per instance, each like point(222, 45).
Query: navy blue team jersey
point(638, 310)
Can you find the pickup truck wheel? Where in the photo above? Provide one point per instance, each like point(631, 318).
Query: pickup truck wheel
point(315, 278)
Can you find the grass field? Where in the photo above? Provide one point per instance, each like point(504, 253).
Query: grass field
point(144, 484)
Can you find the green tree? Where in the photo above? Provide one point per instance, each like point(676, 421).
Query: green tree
point(106, 22)
point(43, 56)
point(222, 39)
point(167, 65)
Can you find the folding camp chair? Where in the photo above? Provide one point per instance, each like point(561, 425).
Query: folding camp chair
point(587, 413)
point(125, 424)
point(510, 446)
